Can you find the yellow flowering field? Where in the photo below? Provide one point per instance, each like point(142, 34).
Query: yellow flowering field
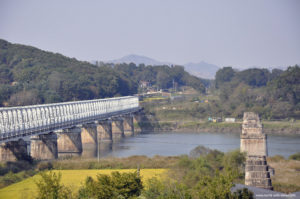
point(73, 178)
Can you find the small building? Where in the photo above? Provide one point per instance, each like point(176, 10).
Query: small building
point(215, 119)
point(230, 119)
point(145, 84)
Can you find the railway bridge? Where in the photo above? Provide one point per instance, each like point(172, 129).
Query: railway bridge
point(50, 131)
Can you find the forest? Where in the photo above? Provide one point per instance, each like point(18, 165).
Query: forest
point(32, 76)
point(273, 94)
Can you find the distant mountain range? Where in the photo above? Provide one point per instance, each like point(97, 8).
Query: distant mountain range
point(138, 59)
point(202, 69)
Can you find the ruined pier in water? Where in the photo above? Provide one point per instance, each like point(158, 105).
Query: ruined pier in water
point(254, 144)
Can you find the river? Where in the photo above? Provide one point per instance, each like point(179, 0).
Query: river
point(172, 144)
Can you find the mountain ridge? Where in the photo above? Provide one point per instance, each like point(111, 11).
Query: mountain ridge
point(201, 69)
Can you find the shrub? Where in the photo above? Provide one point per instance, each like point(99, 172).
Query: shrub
point(49, 187)
point(118, 185)
point(157, 189)
point(295, 156)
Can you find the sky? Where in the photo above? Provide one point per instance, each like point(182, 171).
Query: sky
point(262, 33)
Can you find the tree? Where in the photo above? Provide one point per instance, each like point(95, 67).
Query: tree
point(224, 75)
point(118, 185)
point(49, 187)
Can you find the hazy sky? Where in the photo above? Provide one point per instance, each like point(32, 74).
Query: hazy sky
point(239, 33)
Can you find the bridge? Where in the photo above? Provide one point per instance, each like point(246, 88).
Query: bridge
point(64, 129)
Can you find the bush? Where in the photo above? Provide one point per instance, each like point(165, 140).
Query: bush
point(118, 185)
point(157, 189)
point(243, 194)
point(295, 156)
point(44, 166)
point(49, 187)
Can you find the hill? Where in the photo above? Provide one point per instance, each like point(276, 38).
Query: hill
point(202, 69)
point(29, 75)
point(138, 59)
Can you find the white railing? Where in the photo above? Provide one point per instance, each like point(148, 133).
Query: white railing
point(28, 120)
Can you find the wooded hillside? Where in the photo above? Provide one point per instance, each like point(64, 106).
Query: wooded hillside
point(32, 76)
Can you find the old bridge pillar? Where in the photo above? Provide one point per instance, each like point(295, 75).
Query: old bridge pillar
point(254, 144)
point(69, 142)
point(137, 118)
point(89, 139)
point(128, 126)
point(13, 150)
point(117, 128)
point(104, 131)
point(44, 147)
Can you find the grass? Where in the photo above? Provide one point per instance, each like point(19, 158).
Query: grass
point(144, 162)
point(287, 175)
point(73, 178)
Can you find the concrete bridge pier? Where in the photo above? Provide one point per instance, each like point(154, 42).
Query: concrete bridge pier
point(254, 144)
point(136, 123)
point(13, 150)
point(104, 131)
point(117, 129)
point(44, 147)
point(89, 140)
point(128, 126)
point(69, 142)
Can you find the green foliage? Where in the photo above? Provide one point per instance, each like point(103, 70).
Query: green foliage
point(30, 76)
point(243, 194)
point(224, 75)
point(118, 185)
point(49, 187)
point(217, 186)
point(158, 189)
point(273, 94)
point(295, 156)
point(11, 178)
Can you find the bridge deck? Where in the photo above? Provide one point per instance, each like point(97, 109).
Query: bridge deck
point(18, 122)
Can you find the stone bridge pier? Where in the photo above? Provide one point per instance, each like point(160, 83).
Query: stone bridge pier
point(117, 128)
point(44, 147)
point(69, 142)
point(89, 139)
point(13, 150)
point(128, 125)
point(254, 144)
point(104, 132)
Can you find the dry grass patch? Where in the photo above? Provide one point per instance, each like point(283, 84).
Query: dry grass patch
point(287, 175)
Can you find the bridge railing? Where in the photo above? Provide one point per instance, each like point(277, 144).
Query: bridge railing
point(27, 120)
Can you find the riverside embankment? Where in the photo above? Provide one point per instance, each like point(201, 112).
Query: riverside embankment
point(270, 127)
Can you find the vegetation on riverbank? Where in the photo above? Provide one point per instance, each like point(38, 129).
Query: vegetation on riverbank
point(286, 178)
point(32, 76)
point(270, 127)
point(71, 178)
point(183, 174)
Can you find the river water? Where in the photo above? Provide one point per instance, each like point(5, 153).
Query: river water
point(172, 144)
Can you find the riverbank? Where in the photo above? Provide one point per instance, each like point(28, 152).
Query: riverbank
point(269, 127)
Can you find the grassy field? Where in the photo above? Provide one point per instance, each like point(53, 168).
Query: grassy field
point(74, 178)
point(287, 175)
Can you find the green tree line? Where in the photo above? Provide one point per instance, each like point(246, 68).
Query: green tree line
point(32, 76)
point(273, 94)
